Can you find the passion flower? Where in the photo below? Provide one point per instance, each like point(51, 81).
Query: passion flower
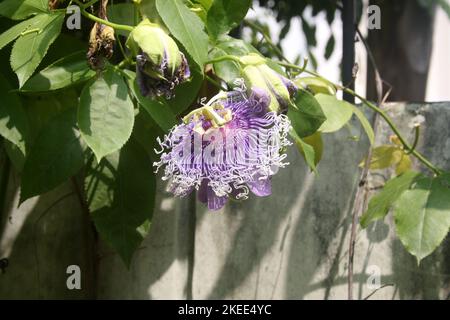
point(230, 146)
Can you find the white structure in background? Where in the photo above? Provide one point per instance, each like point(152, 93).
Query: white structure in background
point(294, 45)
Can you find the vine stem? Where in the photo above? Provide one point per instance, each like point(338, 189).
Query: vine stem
point(102, 21)
point(266, 37)
point(224, 58)
point(383, 114)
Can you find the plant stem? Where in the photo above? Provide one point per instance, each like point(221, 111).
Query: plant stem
point(383, 114)
point(214, 82)
point(224, 58)
point(101, 21)
point(267, 38)
point(388, 120)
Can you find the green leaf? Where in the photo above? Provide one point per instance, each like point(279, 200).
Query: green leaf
point(337, 112)
point(187, 27)
point(56, 155)
point(158, 109)
point(30, 48)
point(384, 156)
point(225, 15)
point(316, 142)
point(404, 165)
point(122, 13)
point(21, 9)
point(422, 215)
point(186, 93)
point(380, 203)
point(121, 196)
point(67, 71)
point(146, 132)
point(12, 33)
point(230, 70)
point(14, 125)
point(106, 114)
point(306, 150)
point(307, 117)
point(365, 124)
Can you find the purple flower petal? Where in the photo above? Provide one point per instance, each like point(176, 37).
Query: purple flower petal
point(261, 187)
point(202, 194)
point(214, 202)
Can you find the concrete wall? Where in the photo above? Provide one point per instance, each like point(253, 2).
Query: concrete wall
point(292, 245)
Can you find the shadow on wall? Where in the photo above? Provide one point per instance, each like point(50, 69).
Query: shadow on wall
point(282, 241)
point(41, 239)
point(294, 244)
point(290, 245)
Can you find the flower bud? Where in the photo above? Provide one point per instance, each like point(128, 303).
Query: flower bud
point(258, 75)
point(160, 65)
point(101, 45)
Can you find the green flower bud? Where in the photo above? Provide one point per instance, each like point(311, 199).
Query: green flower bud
point(258, 75)
point(159, 62)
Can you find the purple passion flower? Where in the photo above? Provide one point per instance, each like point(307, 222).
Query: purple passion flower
point(232, 145)
point(160, 65)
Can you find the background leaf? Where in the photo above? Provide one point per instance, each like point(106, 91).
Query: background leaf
point(306, 150)
point(384, 156)
point(14, 32)
point(422, 215)
point(14, 124)
point(67, 71)
point(186, 27)
point(56, 155)
point(337, 112)
point(225, 15)
point(330, 46)
point(316, 142)
point(380, 203)
point(29, 49)
point(365, 124)
point(121, 196)
point(21, 9)
point(122, 13)
point(106, 114)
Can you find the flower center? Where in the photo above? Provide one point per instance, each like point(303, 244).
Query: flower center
point(209, 116)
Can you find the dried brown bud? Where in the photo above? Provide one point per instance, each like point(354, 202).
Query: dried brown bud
point(53, 4)
point(101, 45)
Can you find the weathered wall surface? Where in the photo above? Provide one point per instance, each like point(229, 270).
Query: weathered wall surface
point(292, 245)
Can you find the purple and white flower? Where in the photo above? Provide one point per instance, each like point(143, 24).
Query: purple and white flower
point(230, 146)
